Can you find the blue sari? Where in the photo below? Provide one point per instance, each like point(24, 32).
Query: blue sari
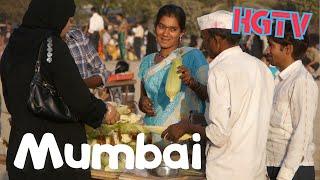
point(154, 77)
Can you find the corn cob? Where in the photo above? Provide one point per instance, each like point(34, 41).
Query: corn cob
point(173, 84)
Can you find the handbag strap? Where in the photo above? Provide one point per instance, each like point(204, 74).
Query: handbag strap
point(49, 54)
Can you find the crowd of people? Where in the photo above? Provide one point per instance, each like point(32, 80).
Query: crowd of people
point(256, 96)
point(115, 38)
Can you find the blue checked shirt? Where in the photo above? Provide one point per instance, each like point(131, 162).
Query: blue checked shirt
point(85, 56)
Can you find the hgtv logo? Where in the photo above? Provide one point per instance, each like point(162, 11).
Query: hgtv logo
point(248, 21)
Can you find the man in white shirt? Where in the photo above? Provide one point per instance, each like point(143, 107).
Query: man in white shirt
point(290, 146)
point(96, 24)
point(240, 89)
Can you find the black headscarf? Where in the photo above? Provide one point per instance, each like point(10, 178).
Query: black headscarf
point(42, 19)
point(52, 15)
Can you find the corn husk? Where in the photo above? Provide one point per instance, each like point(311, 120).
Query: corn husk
point(173, 84)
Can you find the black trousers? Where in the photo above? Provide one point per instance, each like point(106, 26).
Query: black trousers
point(137, 43)
point(303, 173)
point(94, 40)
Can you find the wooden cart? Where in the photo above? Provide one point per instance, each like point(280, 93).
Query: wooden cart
point(100, 175)
point(125, 84)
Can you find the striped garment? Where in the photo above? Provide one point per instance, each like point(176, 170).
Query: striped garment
point(290, 142)
point(85, 56)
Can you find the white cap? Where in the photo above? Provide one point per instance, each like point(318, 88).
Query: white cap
point(220, 19)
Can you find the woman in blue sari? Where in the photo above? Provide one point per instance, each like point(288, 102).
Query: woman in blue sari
point(169, 28)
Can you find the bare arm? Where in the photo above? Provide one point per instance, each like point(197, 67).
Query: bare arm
point(94, 81)
point(145, 104)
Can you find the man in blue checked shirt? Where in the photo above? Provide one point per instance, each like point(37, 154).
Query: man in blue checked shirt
point(91, 68)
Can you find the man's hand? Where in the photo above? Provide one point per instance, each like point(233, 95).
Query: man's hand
point(146, 106)
point(93, 81)
point(103, 94)
point(185, 75)
point(175, 131)
point(112, 116)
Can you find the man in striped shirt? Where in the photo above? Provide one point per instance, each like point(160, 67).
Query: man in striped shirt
point(91, 68)
point(290, 146)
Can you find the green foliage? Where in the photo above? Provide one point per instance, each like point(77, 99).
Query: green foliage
point(123, 128)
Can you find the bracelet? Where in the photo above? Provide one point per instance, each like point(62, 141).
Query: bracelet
point(194, 85)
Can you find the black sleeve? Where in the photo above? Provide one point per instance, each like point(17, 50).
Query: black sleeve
point(3, 62)
point(68, 82)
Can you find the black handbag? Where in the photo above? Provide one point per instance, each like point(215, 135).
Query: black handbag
point(44, 101)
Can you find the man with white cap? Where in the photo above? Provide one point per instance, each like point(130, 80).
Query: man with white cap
point(240, 89)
